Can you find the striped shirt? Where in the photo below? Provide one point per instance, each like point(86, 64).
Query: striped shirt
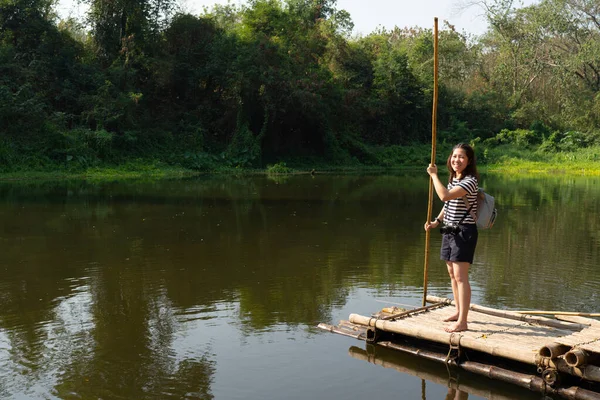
point(455, 209)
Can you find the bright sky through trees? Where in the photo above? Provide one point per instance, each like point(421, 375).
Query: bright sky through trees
point(367, 15)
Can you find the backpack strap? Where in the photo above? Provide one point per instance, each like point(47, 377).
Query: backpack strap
point(470, 209)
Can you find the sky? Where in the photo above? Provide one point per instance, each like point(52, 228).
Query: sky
point(368, 15)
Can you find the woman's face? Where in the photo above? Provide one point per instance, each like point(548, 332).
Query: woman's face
point(459, 161)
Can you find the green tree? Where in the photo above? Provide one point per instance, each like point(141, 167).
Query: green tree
point(117, 25)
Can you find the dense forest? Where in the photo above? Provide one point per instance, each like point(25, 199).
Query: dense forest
point(286, 82)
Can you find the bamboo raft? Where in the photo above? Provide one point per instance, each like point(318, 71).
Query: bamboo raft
point(557, 356)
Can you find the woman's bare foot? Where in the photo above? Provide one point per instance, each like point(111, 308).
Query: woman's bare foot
point(451, 318)
point(458, 327)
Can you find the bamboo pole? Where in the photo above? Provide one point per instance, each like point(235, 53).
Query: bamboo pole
point(433, 141)
point(440, 378)
point(414, 311)
point(553, 350)
point(441, 336)
point(581, 358)
point(586, 372)
point(531, 382)
point(356, 334)
point(577, 357)
point(572, 313)
point(571, 326)
point(579, 320)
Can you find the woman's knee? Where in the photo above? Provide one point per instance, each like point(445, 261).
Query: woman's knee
point(459, 271)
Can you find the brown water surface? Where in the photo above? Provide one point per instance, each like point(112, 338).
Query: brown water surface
point(212, 287)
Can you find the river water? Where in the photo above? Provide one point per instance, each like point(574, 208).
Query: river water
point(212, 287)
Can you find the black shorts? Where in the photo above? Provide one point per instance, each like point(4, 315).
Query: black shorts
point(460, 247)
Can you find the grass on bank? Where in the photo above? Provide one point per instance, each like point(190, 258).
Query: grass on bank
point(504, 158)
point(510, 159)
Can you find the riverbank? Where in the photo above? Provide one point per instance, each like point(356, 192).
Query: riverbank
point(503, 159)
point(168, 172)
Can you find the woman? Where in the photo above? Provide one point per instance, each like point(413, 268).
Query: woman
point(460, 230)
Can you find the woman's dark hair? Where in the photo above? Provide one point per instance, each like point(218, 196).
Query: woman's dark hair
point(471, 168)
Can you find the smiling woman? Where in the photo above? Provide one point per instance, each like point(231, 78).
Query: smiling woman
point(460, 230)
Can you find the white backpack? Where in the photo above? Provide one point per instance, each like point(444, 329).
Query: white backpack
point(486, 211)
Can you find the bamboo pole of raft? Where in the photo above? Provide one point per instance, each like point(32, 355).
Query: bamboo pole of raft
point(441, 378)
point(572, 326)
point(441, 336)
point(413, 311)
point(345, 329)
point(588, 372)
point(433, 140)
point(579, 320)
point(577, 357)
point(553, 350)
point(571, 313)
point(530, 382)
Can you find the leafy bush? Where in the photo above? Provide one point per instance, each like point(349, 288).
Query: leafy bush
point(100, 141)
point(551, 143)
point(541, 130)
point(279, 168)
point(334, 151)
point(394, 156)
point(458, 132)
point(573, 140)
point(8, 155)
point(244, 149)
point(594, 138)
point(507, 154)
point(520, 137)
point(200, 162)
point(82, 146)
point(569, 141)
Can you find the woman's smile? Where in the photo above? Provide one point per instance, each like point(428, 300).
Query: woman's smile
point(459, 161)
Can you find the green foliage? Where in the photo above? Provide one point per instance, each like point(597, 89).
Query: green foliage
point(279, 168)
point(569, 141)
point(458, 132)
point(244, 149)
point(394, 156)
point(520, 137)
point(551, 143)
point(82, 147)
point(243, 86)
point(122, 27)
point(8, 154)
point(511, 157)
point(22, 111)
point(335, 151)
point(573, 140)
point(540, 129)
point(203, 162)
point(506, 154)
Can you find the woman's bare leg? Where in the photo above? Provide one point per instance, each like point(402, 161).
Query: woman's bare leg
point(462, 296)
point(453, 317)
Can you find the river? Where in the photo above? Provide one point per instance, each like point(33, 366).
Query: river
point(212, 287)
